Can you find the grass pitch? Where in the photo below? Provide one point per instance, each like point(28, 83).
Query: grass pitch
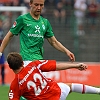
point(78, 96)
point(4, 92)
point(73, 96)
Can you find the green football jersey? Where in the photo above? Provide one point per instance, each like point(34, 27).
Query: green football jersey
point(32, 33)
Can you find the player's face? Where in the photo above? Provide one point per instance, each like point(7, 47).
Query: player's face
point(36, 7)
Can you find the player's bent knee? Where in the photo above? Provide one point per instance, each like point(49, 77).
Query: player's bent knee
point(65, 90)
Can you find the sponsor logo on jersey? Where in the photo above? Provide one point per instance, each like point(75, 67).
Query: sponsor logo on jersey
point(11, 94)
point(14, 24)
point(27, 75)
point(35, 35)
point(37, 29)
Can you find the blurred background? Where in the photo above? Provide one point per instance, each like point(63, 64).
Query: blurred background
point(77, 28)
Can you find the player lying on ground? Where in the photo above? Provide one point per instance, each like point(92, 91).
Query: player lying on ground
point(30, 82)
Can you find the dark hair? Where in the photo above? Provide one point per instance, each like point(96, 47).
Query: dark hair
point(14, 60)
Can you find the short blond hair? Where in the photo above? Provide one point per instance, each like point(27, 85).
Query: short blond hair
point(31, 1)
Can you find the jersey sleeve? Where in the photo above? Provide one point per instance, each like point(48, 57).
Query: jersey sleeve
point(47, 65)
point(17, 26)
point(49, 33)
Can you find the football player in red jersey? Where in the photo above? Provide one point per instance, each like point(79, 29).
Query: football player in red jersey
point(30, 82)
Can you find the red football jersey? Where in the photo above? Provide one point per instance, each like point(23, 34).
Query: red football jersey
point(33, 85)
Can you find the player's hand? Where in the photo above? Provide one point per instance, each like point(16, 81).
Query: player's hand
point(82, 66)
point(0, 54)
point(71, 56)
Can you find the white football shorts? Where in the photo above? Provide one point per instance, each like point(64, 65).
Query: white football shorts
point(65, 89)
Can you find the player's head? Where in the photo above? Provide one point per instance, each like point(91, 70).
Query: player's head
point(36, 7)
point(14, 60)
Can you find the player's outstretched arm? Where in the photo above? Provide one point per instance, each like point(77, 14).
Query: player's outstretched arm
point(57, 45)
point(63, 66)
point(5, 41)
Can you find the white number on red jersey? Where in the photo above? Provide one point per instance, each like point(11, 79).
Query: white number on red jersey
point(37, 90)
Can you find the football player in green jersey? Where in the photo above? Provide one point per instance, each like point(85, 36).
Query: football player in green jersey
point(32, 29)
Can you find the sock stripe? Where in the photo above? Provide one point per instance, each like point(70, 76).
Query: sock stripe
point(83, 91)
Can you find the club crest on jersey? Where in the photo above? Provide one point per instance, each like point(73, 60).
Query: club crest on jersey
point(43, 27)
point(14, 24)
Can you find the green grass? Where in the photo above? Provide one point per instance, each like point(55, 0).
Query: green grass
point(73, 96)
point(78, 96)
point(4, 92)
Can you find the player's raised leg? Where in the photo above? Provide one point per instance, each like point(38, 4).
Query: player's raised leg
point(81, 88)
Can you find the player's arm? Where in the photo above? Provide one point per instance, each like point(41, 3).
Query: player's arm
point(63, 66)
point(46, 65)
point(5, 41)
point(57, 45)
